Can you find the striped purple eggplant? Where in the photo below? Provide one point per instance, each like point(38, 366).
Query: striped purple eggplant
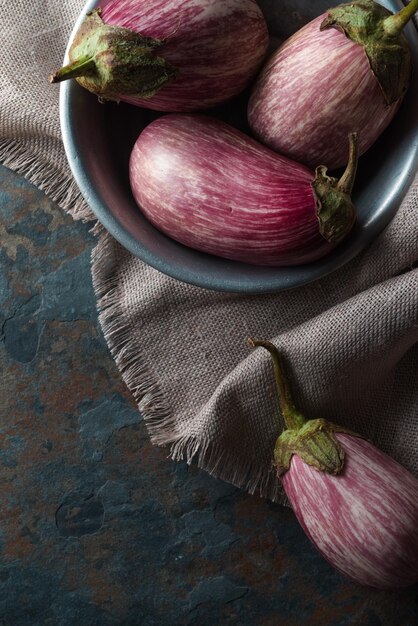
point(346, 71)
point(364, 521)
point(214, 189)
point(356, 504)
point(168, 55)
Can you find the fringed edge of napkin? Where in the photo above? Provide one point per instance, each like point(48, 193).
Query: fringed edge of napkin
point(62, 189)
point(135, 371)
point(140, 379)
point(214, 459)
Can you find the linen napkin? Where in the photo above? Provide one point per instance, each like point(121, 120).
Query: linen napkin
point(349, 341)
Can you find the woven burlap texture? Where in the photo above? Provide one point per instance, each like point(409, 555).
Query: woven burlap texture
point(348, 340)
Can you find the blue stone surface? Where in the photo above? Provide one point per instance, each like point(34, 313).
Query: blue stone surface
point(98, 527)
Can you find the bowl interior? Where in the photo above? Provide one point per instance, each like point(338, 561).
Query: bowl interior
point(98, 140)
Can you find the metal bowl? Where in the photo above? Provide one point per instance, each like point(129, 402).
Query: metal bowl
point(98, 139)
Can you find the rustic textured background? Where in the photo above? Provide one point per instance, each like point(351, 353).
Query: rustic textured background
point(97, 527)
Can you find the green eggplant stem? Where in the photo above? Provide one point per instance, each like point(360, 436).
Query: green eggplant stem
point(81, 67)
point(313, 440)
point(394, 24)
point(292, 418)
point(346, 182)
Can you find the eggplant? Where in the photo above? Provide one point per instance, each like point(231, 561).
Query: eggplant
point(347, 70)
point(168, 55)
point(357, 505)
point(213, 188)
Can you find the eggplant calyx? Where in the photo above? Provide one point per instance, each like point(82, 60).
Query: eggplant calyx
point(314, 441)
point(112, 61)
point(380, 34)
point(335, 210)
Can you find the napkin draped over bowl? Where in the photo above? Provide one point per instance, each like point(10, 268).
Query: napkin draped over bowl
point(349, 340)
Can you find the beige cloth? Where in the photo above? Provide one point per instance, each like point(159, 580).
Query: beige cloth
point(349, 340)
